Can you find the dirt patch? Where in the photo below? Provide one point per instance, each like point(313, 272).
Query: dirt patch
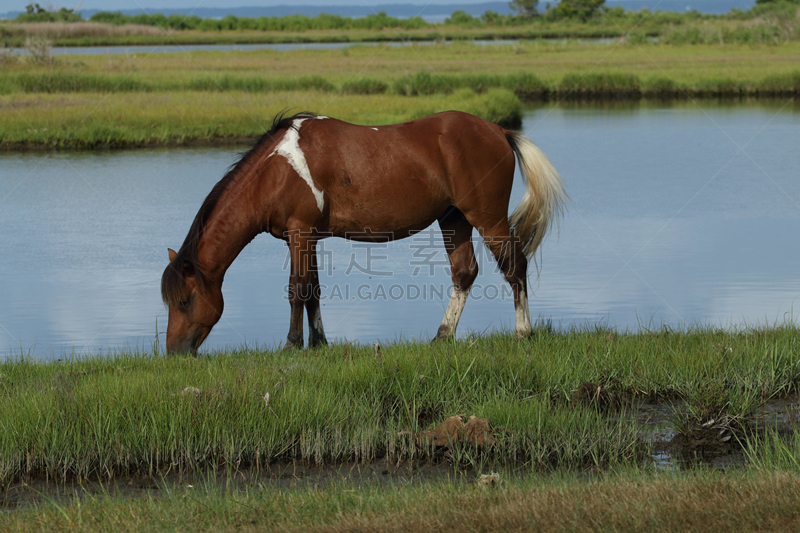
point(476, 431)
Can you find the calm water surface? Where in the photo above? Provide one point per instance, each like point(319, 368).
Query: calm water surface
point(279, 47)
point(678, 215)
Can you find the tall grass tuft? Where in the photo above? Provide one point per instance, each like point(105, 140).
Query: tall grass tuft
point(526, 85)
point(59, 81)
point(599, 85)
point(780, 84)
point(39, 48)
point(260, 84)
point(365, 86)
point(774, 450)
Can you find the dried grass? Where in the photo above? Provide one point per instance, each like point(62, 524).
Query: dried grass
point(76, 30)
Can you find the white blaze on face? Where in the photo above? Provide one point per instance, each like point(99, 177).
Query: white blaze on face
point(289, 148)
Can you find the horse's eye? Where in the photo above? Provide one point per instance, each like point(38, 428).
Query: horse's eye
point(183, 303)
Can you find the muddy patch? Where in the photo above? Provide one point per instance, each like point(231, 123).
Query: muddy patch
point(281, 475)
point(714, 441)
point(602, 397)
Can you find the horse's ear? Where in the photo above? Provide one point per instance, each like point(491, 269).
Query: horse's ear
point(172, 254)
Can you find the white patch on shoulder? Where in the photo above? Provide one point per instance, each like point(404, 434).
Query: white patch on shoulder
point(321, 117)
point(376, 129)
point(289, 148)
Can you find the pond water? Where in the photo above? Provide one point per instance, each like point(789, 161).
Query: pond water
point(278, 47)
point(679, 214)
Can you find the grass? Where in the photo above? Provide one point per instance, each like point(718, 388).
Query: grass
point(633, 501)
point(100, 34)
point(170, 118)
point(476, 65)
point(768, 23)
point(128, 413)
point(213, 97)
point(203, 430)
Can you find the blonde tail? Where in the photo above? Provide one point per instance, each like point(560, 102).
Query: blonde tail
point(544, 196)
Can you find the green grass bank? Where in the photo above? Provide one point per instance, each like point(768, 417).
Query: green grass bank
point(188, 118)
point(143, 414)
point(230, 97)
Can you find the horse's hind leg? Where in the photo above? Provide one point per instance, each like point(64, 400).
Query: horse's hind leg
point(507, 251)
point(456, 232)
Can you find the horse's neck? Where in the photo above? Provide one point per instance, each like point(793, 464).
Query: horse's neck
point(231, 227)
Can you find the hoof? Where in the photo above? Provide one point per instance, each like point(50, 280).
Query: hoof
point(442, 335)
point(293, 343)
point(316, 342)
point(524, 333)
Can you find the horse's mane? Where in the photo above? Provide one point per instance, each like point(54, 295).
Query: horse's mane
point(173, 281)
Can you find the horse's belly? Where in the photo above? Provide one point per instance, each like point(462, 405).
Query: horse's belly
point(384, 221)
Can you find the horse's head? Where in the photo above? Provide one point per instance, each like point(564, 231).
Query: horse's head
point(194, 302)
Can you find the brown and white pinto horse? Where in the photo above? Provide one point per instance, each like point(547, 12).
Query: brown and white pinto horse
point(312, 176)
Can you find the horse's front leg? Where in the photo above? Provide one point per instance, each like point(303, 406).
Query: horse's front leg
point(316, 334)
point(304, 292)
point(298, 287)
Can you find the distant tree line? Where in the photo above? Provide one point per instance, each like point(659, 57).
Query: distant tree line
point(582, 10)
point(526, 11)
point(37, 13)
point(324, 21)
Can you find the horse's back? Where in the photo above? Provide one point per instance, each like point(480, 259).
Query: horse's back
point(402, 177)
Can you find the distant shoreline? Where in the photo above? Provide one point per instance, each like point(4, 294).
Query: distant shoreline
point(431, 12)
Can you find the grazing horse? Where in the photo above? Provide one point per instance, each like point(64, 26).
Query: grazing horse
point(312, 176)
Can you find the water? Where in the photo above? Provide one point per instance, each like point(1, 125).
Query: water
point(278, 47)
point(679, 215)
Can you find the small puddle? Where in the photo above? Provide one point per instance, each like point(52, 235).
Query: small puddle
point(656, 423)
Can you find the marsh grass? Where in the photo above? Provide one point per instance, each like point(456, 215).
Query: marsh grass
point(768, 23)
point(526, 85)
point(142, 414)
point(541, 71)
point(774, 450)
point(82, 31)
point(599, 85)
point(259, 84)
point(170, 118)
point(39, 49)
point(365, 85)
point(101, 417)
point(56, 81)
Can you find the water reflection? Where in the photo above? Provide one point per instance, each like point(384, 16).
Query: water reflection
point(678, 215)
